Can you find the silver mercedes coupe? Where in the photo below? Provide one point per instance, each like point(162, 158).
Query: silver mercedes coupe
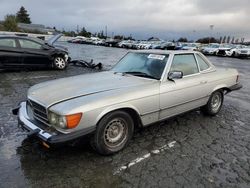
point(143, 88)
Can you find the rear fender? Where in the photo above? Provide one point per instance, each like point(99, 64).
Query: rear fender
point(221, 86)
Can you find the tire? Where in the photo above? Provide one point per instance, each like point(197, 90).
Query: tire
point(60, 63)
point(214, 103)
point(233, 54)
point(113, 133)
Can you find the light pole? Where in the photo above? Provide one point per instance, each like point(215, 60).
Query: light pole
point(194, 33)
point(106, 31)
point(211, 28)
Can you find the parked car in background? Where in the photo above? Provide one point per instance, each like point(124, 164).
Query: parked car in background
point(144, 87)
point(233, 51)
point(178, 46)
point(225, 50)
point(126, 44)
point(243, 52)
point(17, 52)
point(167, 46)
point(191, 46)
point(211, 49)
point(145, 45)
point(111, 42)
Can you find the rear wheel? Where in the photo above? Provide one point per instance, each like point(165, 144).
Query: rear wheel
point(113, 133)
point(60, 63)
point(214, 103)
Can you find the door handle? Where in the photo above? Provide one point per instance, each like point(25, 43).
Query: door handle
point(203, 82)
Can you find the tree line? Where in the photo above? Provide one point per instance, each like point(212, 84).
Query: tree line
point(10, 21)
point(207, 40)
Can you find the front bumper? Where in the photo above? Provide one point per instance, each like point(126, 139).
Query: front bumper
point(243, 55)
point(47, 135)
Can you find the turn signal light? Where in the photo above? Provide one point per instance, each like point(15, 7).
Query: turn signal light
point(73, 120)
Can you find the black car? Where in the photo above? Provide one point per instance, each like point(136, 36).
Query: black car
point(19, 52)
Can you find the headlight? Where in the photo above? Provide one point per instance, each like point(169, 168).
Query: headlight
point(66, 56)
point(53, 118)
point(64, 122)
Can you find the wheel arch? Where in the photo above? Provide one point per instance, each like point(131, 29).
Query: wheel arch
point(222, 87)
point(56, 54)
point(131, 110)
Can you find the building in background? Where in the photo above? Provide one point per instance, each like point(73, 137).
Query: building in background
point(35, 28)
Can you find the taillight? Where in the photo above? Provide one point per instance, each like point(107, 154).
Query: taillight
point(237, 78)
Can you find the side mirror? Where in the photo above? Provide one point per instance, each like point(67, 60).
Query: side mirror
point(175, 75)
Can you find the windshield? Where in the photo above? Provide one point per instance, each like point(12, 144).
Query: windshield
point(142, 64)
point(215, 46)
point(226, 46)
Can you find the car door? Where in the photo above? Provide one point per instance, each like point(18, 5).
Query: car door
point(180, 95)
point(34, 54)
point(10, 54)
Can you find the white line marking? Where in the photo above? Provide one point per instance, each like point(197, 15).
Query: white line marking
point(140, 159)
point(171, 144)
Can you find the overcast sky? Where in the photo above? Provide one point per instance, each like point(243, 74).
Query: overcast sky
point(167, 19)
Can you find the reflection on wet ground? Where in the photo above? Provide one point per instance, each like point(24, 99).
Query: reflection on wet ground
point(204, 152)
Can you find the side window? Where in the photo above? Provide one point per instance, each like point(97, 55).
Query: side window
point(8, 43)
point(29, 44)
point(202, 64)
point(185, 63)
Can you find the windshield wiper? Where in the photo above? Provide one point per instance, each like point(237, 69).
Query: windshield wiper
point(142, 74)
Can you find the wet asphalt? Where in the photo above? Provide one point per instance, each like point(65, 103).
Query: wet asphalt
point(190, 150)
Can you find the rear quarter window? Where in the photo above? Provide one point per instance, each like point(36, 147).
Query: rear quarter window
point(202, 64)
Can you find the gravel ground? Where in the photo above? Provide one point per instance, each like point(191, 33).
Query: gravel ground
point(190, 150)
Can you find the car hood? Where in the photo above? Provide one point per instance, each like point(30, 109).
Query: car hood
point(245, 49)
point(211, 49)
point(62, 48)
point(224, 48)
point(53, 39)
point(56, 91)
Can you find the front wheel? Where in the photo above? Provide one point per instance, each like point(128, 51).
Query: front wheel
point(60, 63)
point(113, 133)
point(214, 103)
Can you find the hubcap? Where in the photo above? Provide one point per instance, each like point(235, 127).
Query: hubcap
point(216, 102)
point(60, 63)
point(115, 132)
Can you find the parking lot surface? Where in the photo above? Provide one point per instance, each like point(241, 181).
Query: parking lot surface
point(190, 150)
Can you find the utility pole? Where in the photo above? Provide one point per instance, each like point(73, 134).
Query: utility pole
point(211, 28)
point(106, 31)
point(77, 29)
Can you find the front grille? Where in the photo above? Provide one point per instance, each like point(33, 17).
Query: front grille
point(39, 111)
